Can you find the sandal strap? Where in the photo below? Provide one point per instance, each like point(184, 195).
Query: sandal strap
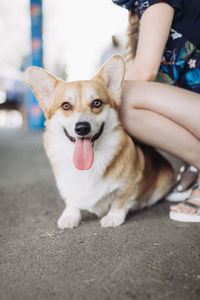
point(188, 168)
point(192, 169)
point(183, 169)
point(197, 207)
point(196, 186)
point(195, 198)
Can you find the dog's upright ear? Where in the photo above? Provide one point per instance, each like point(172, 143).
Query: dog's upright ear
point(112, 73)
point(42, 83)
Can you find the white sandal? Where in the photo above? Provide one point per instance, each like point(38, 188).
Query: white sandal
point(191, 208)
point(178, 194)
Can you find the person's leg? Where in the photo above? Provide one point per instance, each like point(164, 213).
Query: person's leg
point(165, 117)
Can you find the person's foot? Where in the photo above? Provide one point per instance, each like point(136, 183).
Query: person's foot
point(183, 187)
point(189, 210)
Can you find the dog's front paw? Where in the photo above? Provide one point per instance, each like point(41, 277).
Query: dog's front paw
point(67, 222)
point(69, 219)
point(112, 220)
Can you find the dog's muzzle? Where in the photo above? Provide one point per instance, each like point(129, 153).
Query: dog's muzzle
point(82, 131)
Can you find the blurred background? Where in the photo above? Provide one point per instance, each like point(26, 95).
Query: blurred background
point(71, 39)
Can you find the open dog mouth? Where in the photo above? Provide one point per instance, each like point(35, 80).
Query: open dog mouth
point(94, 138)
point(83, 153)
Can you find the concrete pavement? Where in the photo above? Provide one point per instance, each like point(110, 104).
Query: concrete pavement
point(149, 257)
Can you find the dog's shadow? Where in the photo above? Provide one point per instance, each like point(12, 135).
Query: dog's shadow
point(157, 211)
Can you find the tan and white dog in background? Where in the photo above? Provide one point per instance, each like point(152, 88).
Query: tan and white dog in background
point(96, 164)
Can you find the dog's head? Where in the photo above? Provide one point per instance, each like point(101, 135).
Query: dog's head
point(80, 111)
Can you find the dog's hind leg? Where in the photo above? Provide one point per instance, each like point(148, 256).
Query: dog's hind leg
point(163, 186)
point(118, 210)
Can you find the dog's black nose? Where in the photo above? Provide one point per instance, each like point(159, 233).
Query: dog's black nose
point(82, 128)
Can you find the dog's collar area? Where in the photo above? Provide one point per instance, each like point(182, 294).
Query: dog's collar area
point(95, 137)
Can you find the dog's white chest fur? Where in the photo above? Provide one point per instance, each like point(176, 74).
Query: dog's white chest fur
point(86, 189)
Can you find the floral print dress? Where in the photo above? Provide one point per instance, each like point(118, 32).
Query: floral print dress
point(180, 65)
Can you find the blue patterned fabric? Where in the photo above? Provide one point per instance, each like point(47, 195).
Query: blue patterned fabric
point(128, 4)
point(180, 64)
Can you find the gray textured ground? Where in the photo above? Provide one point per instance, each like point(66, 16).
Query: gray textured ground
point(149, 257)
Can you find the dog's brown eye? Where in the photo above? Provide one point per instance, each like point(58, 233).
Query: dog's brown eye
point(97, 103)
point(66, 106)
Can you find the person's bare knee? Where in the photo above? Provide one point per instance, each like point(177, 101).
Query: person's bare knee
point(129, 116)
point(132, 93)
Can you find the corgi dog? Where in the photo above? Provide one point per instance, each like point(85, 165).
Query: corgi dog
point(96, 164)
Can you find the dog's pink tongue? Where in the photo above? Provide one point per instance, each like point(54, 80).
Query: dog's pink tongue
point(83, 154)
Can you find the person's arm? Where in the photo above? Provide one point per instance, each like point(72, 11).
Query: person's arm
point(154, 32)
